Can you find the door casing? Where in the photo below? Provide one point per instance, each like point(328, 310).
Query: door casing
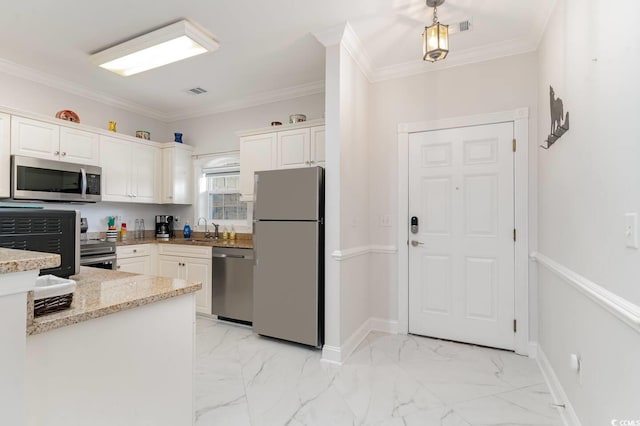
point(520, 120)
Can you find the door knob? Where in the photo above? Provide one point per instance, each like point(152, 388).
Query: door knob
point(416, 243)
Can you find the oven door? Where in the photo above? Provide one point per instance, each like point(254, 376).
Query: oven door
point(108, 261)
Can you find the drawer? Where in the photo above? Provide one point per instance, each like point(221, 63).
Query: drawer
point(124, 252)
point(184, 250)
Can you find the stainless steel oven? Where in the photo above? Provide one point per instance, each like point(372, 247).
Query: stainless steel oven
point(98, 254)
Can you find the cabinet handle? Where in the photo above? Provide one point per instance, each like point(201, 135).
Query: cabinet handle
point(135, 251)
point(56, 153)
point(312, 162)
point(118, 266)
point(169, 197)
point(63, 153)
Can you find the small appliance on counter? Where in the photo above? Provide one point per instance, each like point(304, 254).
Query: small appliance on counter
point(164, 227)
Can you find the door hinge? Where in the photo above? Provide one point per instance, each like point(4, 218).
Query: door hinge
point(514, 234)
point(514, 145)
point(515, 326)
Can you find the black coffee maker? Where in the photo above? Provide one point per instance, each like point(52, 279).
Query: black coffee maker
point(164, 227)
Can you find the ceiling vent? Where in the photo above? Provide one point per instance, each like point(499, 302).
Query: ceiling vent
point(460, 27)
point(197, 91)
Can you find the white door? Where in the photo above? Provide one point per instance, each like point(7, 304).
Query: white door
point(170, 266)
point(5, 155)
point(116, 173)
point(461, 260)
point(256, 153)
point(144, 173)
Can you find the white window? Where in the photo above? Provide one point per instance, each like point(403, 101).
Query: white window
point(223, 197)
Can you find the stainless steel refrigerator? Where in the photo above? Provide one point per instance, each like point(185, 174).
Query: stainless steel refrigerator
point(288, 273)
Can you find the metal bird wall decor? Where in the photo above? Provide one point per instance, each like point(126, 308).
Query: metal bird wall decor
point(559, 124)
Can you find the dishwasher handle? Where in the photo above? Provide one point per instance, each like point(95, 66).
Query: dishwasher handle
point(230, 256)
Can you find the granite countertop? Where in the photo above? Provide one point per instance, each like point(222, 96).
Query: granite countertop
point(243, 243)
point(101, 292)
point(21, 260)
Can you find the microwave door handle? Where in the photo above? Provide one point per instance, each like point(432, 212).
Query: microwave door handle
point(84, 182)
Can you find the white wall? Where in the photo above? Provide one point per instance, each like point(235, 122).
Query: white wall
point(354, 194)
point(37, 98)
point(498, 85)
point(217, 133)
point(588, 180)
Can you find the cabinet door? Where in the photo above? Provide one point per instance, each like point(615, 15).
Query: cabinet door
point(256, 153)
point(167, 175)
point(200, 270)
point(33, 138)
point(136, 265)
point(115, 163)
point(177, 179)
point(182, 177)
point(170, 266)
point(293, 149)
point(145, 173)
point(5, 156)
point(317, 146)
point(78, 146)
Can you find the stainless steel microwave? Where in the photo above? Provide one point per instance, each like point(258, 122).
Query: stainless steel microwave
point(47, 180)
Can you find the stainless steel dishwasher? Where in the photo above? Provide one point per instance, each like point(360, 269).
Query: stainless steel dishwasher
point(232, 284)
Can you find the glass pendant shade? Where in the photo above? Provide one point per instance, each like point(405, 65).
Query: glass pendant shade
point(435, 42)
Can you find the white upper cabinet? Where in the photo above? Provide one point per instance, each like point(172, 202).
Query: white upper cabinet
point(130, 171)
point(78, 146)
point(177, 174)
point(39, 139)
point(302, 145)
point(257, 152)
point(317, 146)
point(293, 149)
point(5, 156)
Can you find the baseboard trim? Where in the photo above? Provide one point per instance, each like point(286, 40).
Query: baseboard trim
point(338, 355)
point(567, 414)
point(532, 350)
point(621, 308)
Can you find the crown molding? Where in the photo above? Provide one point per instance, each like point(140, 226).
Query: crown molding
point(55, 82)
point(332, 35)
point(540, 25)
point(352, 43)
point(251, 101)
point(465, 57)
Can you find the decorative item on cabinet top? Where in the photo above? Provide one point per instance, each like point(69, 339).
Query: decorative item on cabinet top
point(68, 115)
point(297, 118)
point(143, 134)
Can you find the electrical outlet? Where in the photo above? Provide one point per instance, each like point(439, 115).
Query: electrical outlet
point(631, 230)
point(384, 221)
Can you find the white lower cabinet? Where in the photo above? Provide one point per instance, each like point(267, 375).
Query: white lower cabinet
point(191, 263)
point(137, 259)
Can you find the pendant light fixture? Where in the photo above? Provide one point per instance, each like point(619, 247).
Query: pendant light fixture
point(435, 38)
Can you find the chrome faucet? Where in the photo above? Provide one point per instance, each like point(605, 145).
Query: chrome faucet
point(216, 233)
point(207, 234)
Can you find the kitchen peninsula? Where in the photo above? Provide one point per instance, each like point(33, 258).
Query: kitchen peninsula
point(122, 354)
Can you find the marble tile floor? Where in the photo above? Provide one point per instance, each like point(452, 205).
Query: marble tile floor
point(245, 379)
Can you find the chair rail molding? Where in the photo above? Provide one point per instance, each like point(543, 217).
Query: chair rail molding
point(621, 308)
point(350, 253)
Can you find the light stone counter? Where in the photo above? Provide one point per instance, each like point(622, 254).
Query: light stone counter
point(21, 260)
point(101, 292)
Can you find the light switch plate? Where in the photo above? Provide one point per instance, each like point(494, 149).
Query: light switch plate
point(631, 230)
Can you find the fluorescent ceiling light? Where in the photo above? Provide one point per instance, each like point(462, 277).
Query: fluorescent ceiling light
point(169, 44)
